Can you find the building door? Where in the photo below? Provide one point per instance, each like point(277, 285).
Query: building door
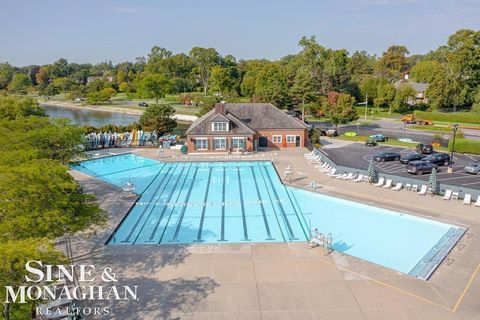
point(262, 142)
point(297, 141)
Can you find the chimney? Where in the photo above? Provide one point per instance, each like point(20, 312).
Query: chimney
point(220, 108)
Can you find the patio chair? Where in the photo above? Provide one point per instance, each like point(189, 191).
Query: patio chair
point(423, 190)
point(359, 178)
point(388, 185)
point(467, 199)
point(448, 195)
point(312, 185)
point(380, 182)
point(455, 195)
point(349, 176)
point(317, 157)
point(398, 186)
point(332, 172)
point(414, 188)
point(408, 186)
point(339, 175)
point(311, 153)
point(477, 203)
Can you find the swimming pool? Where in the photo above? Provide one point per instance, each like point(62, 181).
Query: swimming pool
point(246, 202)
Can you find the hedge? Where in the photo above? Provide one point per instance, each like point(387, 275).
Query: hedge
point(457, 117)
point(465, 146)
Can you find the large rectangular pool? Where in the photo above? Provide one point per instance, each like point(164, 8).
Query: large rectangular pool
point(246, 202)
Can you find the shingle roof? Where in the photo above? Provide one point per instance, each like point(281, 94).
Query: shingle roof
point(248, 117)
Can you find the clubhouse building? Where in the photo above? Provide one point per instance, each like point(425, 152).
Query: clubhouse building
point(238, 127)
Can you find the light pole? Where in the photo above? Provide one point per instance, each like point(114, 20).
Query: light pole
point(455, 128)
point(366, 105)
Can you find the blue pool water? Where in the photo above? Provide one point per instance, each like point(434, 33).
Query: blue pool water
point(246, 202)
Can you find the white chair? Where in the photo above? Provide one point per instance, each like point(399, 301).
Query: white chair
point(448, 195)
point(398, 186)
point(455, 195)
point(423, 190)
point(380, 182)
point(408, 186)
point(332, 172)
point(414, 188)
point(388, 185)
point(349, 176)
point(359, 178)
point(309, 154)
point(477, 203)
point(339, 176)
point(315, 158)
point(312, 185)
point(467, 199)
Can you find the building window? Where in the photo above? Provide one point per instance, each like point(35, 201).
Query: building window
point(290, 138)
point(277, 139)
point(201, 144)
point(238, 143)
point(220, 126)
point(220, 143)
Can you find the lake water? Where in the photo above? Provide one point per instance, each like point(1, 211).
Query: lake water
point(90, 117)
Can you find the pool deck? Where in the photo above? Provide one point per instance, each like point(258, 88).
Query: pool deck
point(284, 280)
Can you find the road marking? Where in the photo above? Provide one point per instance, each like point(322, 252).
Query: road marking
point(469, 283)
point(470, 183)
point(455, 178)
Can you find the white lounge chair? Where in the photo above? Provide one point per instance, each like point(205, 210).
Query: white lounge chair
point(448, 195)
point(398, 186)
point(326, 168)
point(467, 199)
point(423, 190)
point(380, 182)
point(414, 188)
point(309, 154)
point(408, 186)
point(339, 176)
point(331, 173)
point(349, 176)
point(477, 203)
point(315, 158)
point(359, 178)
point(455, 195)
point(388, 185)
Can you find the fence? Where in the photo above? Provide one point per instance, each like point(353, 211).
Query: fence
point(405, 180)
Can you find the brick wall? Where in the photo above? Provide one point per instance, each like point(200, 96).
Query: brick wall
point(270, 133)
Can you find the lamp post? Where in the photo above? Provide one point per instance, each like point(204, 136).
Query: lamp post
point(455, 128)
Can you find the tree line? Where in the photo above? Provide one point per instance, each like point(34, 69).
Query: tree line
point(304, 79)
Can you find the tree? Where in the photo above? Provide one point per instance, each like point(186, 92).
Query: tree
point(385, 96)
point(339, 107)
point(44, 75)
point(15, 108)
point(222, 80)
point(20, 83)
point(158, 117)
point(302, 91)
point(61, 68)
point(372, 173)
point(204, 59)
point(361, 64)
point(6, 74)
point(99, 97)
point(432, 181)
point(271, 86)
point(404, 97)
point(392, 62)
point(155, 85)
point(426, 71)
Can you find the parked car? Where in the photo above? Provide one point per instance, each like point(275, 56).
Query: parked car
point(473, 168)
point(411, 157)
point(370, 143)
point(420, 167)
point(143, 104)
point(424, 148)
point(379, 137)
point(438, 158)
point(386, 156)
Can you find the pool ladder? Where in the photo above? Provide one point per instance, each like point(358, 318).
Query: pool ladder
point(319, 239)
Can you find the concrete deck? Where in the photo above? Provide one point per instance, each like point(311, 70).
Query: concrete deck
point(284, 281)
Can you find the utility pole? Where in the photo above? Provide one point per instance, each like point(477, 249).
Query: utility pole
point(366, 105)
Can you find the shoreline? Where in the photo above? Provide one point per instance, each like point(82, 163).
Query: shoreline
point(118, 110)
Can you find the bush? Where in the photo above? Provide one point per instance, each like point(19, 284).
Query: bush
point(457, 117)
point(465, 146)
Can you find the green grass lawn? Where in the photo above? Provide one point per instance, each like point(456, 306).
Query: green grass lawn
point(390, 142)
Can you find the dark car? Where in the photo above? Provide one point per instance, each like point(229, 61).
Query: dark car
point(420, 167)
point(371, 143)
point(386, 156)
point(411, 157)
point(438, 158)
point(143, 104)
point(424, 148)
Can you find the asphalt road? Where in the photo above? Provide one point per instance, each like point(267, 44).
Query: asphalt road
point(357, 155)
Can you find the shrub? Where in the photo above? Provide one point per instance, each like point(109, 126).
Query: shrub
point(457, 117)
point(465, 146)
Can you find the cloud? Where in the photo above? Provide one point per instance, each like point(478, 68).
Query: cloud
point(127, 10)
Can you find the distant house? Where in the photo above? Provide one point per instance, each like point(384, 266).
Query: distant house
point(419, 87)
point(93, 78)
point(246, 127)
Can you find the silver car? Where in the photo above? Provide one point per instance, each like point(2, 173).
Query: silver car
point(473, 168)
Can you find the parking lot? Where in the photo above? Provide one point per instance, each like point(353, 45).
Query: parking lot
point(357, 155)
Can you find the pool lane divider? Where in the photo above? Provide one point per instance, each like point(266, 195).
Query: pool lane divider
point(222, 228)
point(157, 224)
point(259, 196)
point(184, 208)
point(202, 218)
point(242, 206)
point(130, 233)
point(282, 210)
point(272, 203)
point(159, 198)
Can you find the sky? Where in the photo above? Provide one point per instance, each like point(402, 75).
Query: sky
point(42, 31)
